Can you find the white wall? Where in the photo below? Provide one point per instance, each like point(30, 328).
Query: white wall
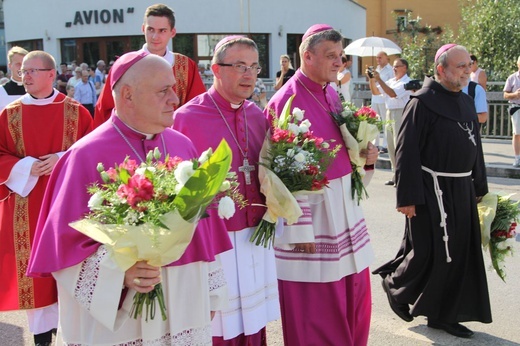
point(29, 19)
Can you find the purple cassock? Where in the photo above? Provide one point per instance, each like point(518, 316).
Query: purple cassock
point(317, 102)
point(200, 120)
point(58, 246)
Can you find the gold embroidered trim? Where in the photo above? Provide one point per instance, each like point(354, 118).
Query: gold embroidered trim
point(21, 226)
point(180, 71)
point(22, 244)
point(70, 123)
point(14, 120)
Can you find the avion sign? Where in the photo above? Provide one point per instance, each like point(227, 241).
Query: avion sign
point(88, 17)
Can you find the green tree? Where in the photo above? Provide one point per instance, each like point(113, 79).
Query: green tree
point(490, 29)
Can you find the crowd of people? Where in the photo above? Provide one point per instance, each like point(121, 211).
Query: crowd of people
point(56, 126)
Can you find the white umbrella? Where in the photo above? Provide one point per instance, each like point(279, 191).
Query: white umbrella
point(371, 46)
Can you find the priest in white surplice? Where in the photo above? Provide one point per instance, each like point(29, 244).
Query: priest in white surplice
point(95, 296)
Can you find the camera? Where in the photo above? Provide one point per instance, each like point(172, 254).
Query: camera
point(370, 71)
point(413, 84)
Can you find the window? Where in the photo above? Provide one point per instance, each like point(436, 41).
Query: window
point(29, 45)
point(401, 23)
point(200, 48)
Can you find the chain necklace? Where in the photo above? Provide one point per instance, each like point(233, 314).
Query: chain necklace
point(466, 128)
point(132, 147)
point(246, 168)
point(314, 97)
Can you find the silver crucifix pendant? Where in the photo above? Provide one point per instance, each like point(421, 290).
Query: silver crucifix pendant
point(246, 169)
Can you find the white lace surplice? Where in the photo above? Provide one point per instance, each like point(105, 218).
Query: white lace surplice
point(252, 286)
point(89, 296)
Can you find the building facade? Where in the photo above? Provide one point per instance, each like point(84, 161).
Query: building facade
point(86, 31)
point(386, 17)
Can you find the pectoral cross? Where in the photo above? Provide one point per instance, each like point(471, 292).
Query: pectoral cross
point(471, 137)
point(246, 169)
point(466, 128)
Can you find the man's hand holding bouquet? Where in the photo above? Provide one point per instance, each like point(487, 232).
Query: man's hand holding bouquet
point(149, 211)
point(292, 161)
point(358, 127)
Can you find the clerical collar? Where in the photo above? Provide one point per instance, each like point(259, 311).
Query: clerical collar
point(168, 56)
point(322, 86)
point(19, 83)
point(50, 95)
point(27, 99)
point(147, 135)
point(225, 104)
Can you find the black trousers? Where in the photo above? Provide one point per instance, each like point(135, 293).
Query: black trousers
point(89, 107)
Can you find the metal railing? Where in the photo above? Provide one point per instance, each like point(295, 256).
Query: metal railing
point(498, 124)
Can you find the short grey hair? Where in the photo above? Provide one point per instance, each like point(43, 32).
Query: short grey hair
point(220, 54)
point(443, 58)
point(310, 43)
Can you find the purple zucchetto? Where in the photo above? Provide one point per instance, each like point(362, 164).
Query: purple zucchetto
point(226, 40)
point(443, 49)
point(316, 28)
point(122, 65)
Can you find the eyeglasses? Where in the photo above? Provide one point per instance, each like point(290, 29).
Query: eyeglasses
point(32, 71)
point(244, 68)
point(396, 66)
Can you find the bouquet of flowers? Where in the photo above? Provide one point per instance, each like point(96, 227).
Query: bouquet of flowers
point(150, 211)
point(358, 127)
point(498, 220)
point(292, 161)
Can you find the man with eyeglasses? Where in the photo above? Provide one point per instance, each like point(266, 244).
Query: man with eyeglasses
point(35, 131)
point(224, 112)
point(439, 271)
point(158, 29)
point(322, 260)
point(396, 97)
point(13, 89)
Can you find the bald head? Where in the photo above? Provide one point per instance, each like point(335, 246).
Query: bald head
point(144, 95)
point(139, 72)
point(382, 59)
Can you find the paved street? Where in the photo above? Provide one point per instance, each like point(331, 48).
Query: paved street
point(386, 228)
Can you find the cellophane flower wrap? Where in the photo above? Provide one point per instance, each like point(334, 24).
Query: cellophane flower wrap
point(499, 217)
point(292, 161)
point(358, 127)
point(149, 211)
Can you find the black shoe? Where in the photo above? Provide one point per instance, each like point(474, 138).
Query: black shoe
point(456, 329)
point(401, 310)
point(390, 183)
point(383, 150)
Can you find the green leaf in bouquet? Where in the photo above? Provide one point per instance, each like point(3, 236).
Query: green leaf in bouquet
point(200, 190)
point(286, 114)
point(124, 175)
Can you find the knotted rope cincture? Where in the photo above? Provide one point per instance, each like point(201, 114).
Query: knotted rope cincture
point(438, 194)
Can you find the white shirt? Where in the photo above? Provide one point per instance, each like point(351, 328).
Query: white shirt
point(402, 95)
point(385, 73)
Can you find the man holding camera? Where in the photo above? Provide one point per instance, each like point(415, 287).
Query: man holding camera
point(396, 96)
